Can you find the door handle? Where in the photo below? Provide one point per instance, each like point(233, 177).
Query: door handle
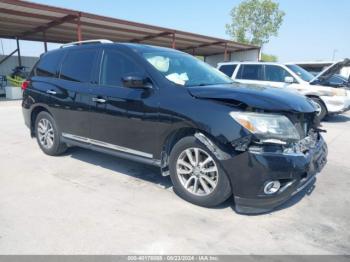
point(98, 100)
point(51, 92)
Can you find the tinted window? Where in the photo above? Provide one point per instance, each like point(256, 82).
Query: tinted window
point(228, 69)
point(302, 73)
point(250, 72)
point(48, 64)
point(78, 65)
point(275, 73)
point(115, 66)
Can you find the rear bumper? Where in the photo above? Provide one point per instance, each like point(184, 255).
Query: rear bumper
point(251, 171)
point(336, 104)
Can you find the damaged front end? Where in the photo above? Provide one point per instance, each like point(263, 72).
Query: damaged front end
point(279, 165)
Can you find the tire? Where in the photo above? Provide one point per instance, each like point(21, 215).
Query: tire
point(219, 193)
point(322, 108)
point(48, 136)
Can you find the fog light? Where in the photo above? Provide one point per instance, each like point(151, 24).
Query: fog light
point(272, 187)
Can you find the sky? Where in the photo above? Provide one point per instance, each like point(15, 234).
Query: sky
point(312, 29)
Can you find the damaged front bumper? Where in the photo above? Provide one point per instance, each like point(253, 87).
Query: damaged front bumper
point(294, 168)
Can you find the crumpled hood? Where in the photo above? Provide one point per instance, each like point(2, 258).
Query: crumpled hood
point(266, 98)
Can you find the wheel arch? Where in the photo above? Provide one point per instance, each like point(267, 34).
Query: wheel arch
point(205, 138)
point(319, 98)
point(34, 114)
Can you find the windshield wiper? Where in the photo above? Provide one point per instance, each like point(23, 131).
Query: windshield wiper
point(211, 84)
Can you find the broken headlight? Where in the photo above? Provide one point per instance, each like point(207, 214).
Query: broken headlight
point(270, 128)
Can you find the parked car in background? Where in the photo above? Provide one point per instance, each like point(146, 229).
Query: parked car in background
point(337, 81)
point(166, 108)
point(316, 67)
point(331, 76)
point(329, 100)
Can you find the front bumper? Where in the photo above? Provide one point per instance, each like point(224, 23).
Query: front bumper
point(250, 171)
point(336, 104)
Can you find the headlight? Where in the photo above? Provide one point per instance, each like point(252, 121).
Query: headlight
point(267, 127)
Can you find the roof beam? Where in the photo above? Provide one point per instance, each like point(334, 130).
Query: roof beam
point(148, 37)
point(49, 25)
point(26, 14)
point(203, 45)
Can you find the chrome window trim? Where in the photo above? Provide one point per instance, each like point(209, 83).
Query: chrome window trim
point(107, 145)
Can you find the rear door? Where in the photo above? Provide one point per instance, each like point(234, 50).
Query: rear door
point(44, 76)
point(124, 119)
point(250, 74)
point(70, 99)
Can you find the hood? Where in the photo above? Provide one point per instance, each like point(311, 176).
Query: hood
point(330, 71)
point(259, 97)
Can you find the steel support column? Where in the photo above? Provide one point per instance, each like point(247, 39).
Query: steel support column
point(79, 28)
point(19, 53)
point(225, 53)
point(173, 44)
point(8, 56)
point(45, 42)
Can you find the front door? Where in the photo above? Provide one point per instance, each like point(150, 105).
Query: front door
point(122, 118)
point(275, 76)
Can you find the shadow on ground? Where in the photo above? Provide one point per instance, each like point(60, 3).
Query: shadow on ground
point(337, 118)
point(152, 174)
point(122, 166)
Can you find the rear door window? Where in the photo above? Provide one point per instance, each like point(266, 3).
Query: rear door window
point(275, 73)
point(250, 72)
point(78, 65)
point(115, 66)
point(48, 64)
point(228, 69)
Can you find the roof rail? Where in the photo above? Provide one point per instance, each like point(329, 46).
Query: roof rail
point(92, 41)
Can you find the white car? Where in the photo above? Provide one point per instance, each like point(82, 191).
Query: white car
point(329, 100)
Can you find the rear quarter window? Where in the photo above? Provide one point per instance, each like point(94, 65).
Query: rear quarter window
point(48, 64)
point(228, 69)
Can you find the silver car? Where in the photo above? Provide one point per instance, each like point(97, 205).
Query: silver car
point(328, 100)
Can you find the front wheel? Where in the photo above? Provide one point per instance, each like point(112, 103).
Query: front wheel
point(47, 135)
point(320, 108)
point(196, 174)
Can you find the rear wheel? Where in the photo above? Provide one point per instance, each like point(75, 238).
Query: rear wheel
point(196, 174)
point(47, 135)
point(320, 108)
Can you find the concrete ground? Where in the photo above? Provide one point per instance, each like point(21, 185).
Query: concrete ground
point(90, 203)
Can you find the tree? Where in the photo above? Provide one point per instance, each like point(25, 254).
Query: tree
point(255, 21)
point(268, 58)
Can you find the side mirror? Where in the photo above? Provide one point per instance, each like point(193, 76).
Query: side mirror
point(136, 82)
point(289, 80)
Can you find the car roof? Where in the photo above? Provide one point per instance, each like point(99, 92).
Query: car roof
point(249, 63)
point(148, 48)
point(134, 46)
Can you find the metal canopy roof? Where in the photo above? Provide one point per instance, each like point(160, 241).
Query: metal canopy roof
point(37, 22)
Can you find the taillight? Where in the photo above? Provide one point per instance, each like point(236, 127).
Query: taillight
point(25, 84)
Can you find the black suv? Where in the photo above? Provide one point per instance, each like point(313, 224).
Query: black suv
point(159, 106)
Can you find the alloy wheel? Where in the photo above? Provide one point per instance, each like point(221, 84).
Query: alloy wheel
point(197, 171)
point(46, 133)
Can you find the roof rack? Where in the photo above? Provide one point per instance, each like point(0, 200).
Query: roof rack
point(92, 41)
